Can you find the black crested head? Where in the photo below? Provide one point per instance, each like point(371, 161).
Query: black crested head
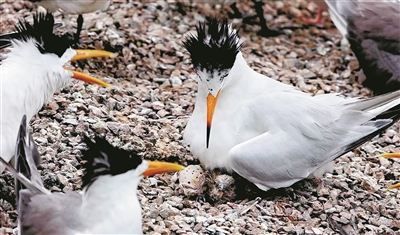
point(104, 159)
point(215, 47)
point(42, 32)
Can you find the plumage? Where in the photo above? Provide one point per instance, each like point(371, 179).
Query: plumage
point(109, 204)
point(31, 72)
point(372, 28)
point(271, 133)
point(74, 7)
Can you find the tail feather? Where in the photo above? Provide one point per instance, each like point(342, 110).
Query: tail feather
point(381, 122)
point(25, 173)
point(377, 104)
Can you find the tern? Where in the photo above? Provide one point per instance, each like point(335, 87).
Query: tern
point(107, 204)
point(268, 132)
point(74, 7)
point(372, 29)
point(31, 72)
point(392, 155)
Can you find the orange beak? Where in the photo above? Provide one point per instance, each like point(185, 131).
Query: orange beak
point(392, 155)
point(161, 167)
point(84, 54)
point(211, 103)
point(88, 78)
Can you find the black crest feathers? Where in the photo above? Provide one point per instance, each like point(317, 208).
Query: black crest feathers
point(215, 47)
point(42, 32)
point(104, 159)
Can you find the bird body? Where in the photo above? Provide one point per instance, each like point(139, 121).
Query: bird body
point(30, 74)
point(107, 204)
point(268, 132)
point(372, 28)
point(118, 210)
point(73, 6)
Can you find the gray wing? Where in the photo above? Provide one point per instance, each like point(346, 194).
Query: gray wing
point(302, 138)
point(372, 29)
point(56, 213)
point(25, 163)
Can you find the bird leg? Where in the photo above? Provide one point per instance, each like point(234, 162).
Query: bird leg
point(265, 31)
point(79, 28)
point(236, 13)
point(251, 19)
point(317, 20)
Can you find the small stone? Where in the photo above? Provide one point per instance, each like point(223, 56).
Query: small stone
point(201, 219)
point(317, 231)
point(100, 127)
point(157, 105)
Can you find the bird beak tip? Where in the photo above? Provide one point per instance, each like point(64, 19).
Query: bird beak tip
point(156, 167)
point(390, 155)
point(208, 135)
point(89, 79)
point(396, 186)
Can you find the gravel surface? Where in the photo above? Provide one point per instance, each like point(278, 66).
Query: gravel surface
point(153, 95)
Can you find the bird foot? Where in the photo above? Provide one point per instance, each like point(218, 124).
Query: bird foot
point(311, 21)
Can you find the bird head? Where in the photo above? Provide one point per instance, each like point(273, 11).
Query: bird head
point(50, 52)
point(213, 53)
point(104, 159)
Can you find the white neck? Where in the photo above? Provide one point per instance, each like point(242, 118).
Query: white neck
point(35, 75)
point(110, 204)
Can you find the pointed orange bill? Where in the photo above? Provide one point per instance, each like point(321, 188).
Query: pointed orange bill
point(84, 54)
point(88, 78)
point(161, 167)
point(393, 186)
point(391, 155)
point(211, 103)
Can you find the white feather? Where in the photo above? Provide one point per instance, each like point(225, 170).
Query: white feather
point(274, 135)
point(28, 80)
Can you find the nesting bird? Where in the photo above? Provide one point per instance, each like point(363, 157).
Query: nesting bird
point(268, 132)
point(107, 204)
point(74, 7)
point(372, 28)
point(32, 71)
